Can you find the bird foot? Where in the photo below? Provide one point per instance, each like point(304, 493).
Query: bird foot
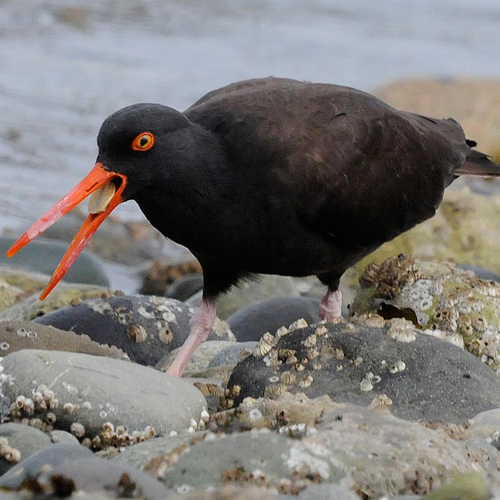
point(330, 307)
point(201, 324)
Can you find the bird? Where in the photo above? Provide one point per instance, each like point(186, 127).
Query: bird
point(270, 176)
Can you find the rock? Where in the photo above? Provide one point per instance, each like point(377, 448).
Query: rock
point(145, 455)
point(8, 295)
point(480, 272)
point(17, 442)
point(63, 437)
point(486, 426)
point(165, 272)
point(145, 327)
point(326, 492)
point(418, 376)
point(17, 335)
point(43, 255)
point(292, 413)
point(441, 299)
point(27, 281)
point(251, 322)
point(32, 466)
point(210, 354)
point(259, 458)
point(472, 102)
point(268, 286)
point(385, 455)
point(231, 493)
point(185, 287)
point(464, 229)
point(98, 476)
point(31, 307)
point(465, 487)
point(106, 400)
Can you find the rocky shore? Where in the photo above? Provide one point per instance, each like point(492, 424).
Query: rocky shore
point(399, 399)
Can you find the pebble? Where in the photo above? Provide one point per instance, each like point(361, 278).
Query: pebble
point(19, 442)
point(106, 400)
point(50, 456)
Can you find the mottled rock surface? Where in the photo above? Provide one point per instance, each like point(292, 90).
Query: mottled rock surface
point(441, 299)
point(64, 294)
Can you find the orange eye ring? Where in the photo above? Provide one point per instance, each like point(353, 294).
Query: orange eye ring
point(143, 141)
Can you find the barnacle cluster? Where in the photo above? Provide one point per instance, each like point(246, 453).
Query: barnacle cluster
point(440, 299)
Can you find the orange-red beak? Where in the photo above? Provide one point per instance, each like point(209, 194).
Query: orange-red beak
point(97, 178)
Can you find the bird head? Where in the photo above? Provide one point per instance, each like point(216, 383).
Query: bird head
point(133, 143)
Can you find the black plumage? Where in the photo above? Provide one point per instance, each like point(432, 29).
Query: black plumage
point(285, 177)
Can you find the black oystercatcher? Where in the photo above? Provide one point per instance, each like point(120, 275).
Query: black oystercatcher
point(270, 176)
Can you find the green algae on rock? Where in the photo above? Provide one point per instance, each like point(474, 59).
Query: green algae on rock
point(439, 298)
point(65, 294)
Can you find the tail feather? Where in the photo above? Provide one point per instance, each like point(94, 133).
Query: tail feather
point(479, 164)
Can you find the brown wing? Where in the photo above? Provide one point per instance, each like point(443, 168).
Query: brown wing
point(337, 159)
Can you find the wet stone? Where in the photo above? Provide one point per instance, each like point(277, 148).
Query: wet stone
point(17, 335)
point(416, 376)
point(109, 401)
point(251, 322)
point(145, 327)
point(17, 442)
point(186, 286)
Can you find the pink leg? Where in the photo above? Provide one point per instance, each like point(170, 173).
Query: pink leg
point(330, 307)
point(200, 324)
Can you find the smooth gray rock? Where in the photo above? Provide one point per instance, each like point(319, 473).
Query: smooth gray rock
point(91, 391)
point(43, 255)
point(145, 327)
point(53, 456)
point(251, 322)
point(424, 378)
point(26, 440)
point(186, 286)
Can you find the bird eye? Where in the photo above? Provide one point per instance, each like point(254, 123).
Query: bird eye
point(143, 142)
